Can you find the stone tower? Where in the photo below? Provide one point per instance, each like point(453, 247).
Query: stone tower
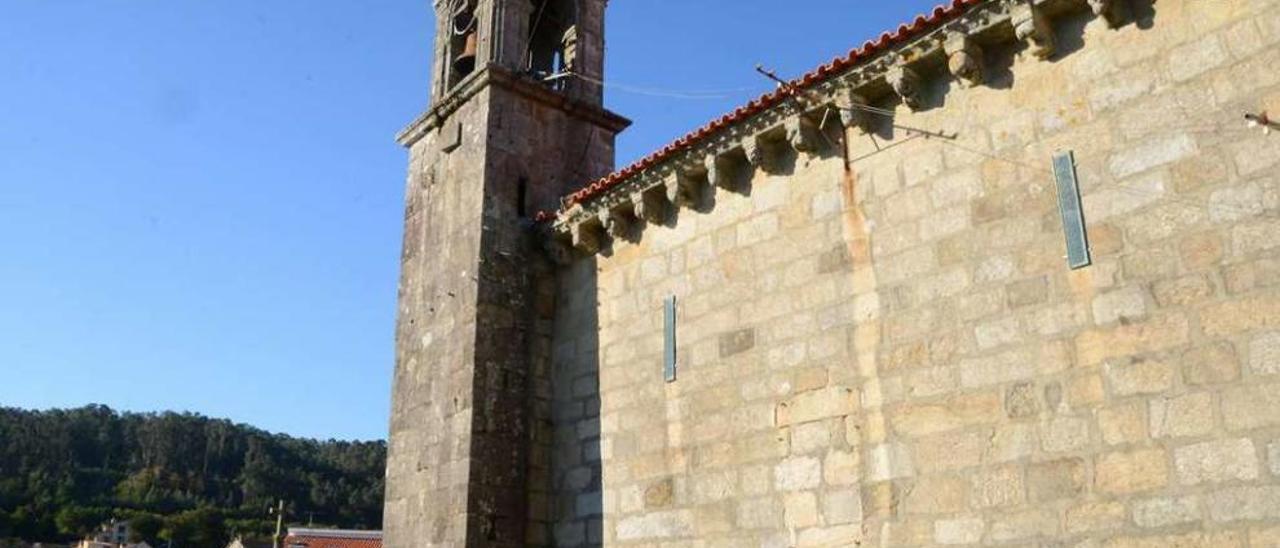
point(515, 122)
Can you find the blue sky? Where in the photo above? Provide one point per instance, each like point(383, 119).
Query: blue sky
point(200, 201)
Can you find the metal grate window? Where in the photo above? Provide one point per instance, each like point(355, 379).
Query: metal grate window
point(669, 338)
point(1064, 172)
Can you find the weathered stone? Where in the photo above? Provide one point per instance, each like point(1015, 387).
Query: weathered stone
point(1158, 333)
point(1026, 292)
point(1213, 364)
point(1139, 377)
point(832, 401)
point(907, 84)
point(841, 506)
point(1020, 400)
point(1273, 455)
point(800, 510)
point(1030, 24)
point(1131, 472)
point(1264, 353)
point(1063, 433)
point(1025, 525)
point(1201, 250)
point(956, 412)
point(889, 461)
point(1241, 315)
point(659, 495)
point(656, 525)
point(1216, 461)
point(797, 473)
point(1122, 304)
point(759, 513)
point(1161, 512)
point(1251, 406)
point(1152, 153)
point(1182, 291)
point(1197, 539)
point(998, 486)
point(958, 531)
point(1056, 479)
point(1123, 423)
point(1244, 503)
point(1095, 516)
point(938, 495)
point(1181, 416)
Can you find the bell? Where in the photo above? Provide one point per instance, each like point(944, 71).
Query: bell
point(465, 62)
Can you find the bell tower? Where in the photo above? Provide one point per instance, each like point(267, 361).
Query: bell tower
point(515, 121)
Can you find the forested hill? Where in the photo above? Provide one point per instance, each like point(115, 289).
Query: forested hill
point(184, 477)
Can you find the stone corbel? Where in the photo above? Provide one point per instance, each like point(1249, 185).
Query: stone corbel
point(800, 132)
point(964, 59)
point(647, 206)
point(1031, 25)
point(681, 190)
point(585, 236)
point(1109, 10)
point(752, 149)
point(851, 114)
point(907, 84)
point(615, 222)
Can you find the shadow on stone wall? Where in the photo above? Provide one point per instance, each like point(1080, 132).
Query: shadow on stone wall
point(575, 412)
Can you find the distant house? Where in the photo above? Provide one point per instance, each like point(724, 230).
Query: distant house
point(332, 538)
point(112, 534)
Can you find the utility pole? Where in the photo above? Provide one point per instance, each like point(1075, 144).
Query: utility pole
point(275, 539)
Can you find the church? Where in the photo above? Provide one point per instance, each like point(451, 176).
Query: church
point(1006, 275)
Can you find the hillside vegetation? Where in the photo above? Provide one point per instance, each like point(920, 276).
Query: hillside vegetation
point(183, 478)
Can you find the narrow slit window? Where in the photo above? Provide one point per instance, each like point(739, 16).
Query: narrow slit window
point(522, 197)
point(669, 339)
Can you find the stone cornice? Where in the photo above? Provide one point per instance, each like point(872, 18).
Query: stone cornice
point(498, 75)
point(679, 178)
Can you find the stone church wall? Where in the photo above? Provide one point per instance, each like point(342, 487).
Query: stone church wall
point(897, 353)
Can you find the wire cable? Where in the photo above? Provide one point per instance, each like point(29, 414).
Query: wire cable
point(731, 93)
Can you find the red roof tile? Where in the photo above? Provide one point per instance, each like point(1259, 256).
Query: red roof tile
point(919, 25)
point(320, 540)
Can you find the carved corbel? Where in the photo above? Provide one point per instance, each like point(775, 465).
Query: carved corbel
point(1109, 10)
point(800, 133)
point(615, 222)
point(585, 236)
point(681, 190)
point(964, 59)
point(852, 113)
point(1031, 25)
point(647, 206)
point(754, 152)
point(907, 84)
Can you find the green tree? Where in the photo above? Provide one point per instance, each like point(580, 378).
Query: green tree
point(75, 521)
point(6, 524)
point(145, 527)
point(200, 528)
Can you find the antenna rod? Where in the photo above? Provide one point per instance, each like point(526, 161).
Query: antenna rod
point(772, 76)
point(275, 540)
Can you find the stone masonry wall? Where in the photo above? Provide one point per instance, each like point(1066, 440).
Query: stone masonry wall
point(428, 457)
point(897, 354)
